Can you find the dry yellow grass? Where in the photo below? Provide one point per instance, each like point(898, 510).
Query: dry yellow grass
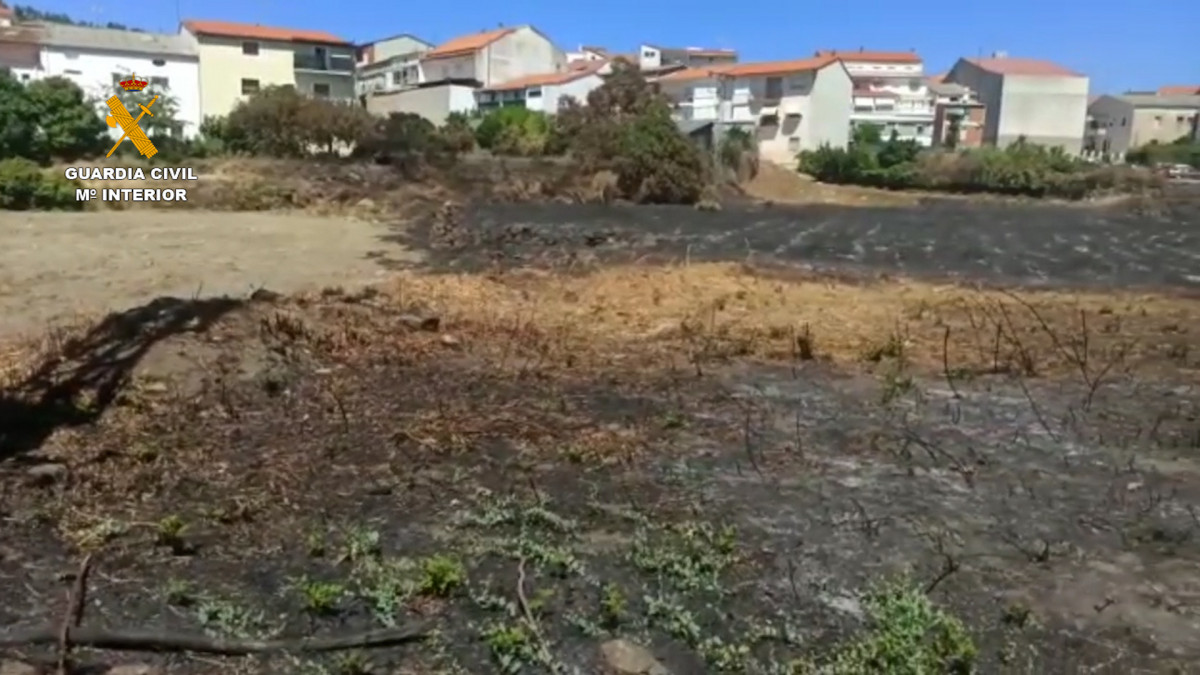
point(732, 310)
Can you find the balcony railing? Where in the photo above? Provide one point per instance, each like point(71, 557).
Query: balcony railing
point(337, 64)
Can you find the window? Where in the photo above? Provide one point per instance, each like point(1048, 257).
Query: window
point(159, 62)
point(71, 56)
point(794, 144)
point(536, 92)
point(73, 72)
point(920, 131)
point(320, 90)
point(24, 77)
point(1124, 121)
point(774, 87)
point(249, 87)
point(396, 77)
point(250, 48)
point(160, 83)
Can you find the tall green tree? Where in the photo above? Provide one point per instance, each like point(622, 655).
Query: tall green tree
point(69, 125)
point(18, 124)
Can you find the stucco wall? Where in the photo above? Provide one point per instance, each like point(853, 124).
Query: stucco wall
point(988, 89)
point(404, 44)
point(1050, 111)
point(577, 89)
point(433, 103)
point(223, 66)
point(452, 68)
point(93, 71)
point(1115, 116)
point(829, 121)
point(520, 53)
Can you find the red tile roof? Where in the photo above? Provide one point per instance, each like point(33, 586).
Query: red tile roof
point(864, 56)
point(543, 79)
point(1032, 67)
point(749, 69)
point(256, 32)
point(6, 11)
point(1179, 90)
point(466, 44)
point(779, 67)
point(937, 79)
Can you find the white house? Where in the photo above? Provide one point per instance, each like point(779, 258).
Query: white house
point(452, 71)
point(96, 59)
point(1040, 101)
point(390, 64)
point(791, 106)
point(543, 92)
point(890, 92)
point(493, 57)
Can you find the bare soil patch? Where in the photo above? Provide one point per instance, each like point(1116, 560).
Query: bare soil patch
point(704, 461)
point(56, 265)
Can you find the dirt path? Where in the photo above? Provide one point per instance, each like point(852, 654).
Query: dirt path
point(54, 264)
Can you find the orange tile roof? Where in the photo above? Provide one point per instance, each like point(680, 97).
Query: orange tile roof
point(543, 79)
point(466, 44)
point(937, 79)
point(749, 69)
point(257, 32)
point(1016, 66)
point(780, 67)
point(690, 74)
point(1179, 90)
point(864, 56)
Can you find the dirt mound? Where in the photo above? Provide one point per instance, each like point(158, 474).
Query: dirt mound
point(774, 183)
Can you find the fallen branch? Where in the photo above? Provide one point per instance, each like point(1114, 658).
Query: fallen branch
point(76, 601)
point(147, 641)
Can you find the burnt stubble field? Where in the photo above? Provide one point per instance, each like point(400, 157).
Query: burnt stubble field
point(573, 459)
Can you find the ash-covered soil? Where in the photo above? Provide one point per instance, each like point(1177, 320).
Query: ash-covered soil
point(1151, 243)
point(334, 466)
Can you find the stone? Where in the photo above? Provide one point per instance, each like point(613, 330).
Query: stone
point(46, 474)
point(414, 322)
point(449, 340)
point(627, 658)
point(134, 669)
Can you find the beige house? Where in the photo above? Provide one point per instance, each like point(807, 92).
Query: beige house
point(390, 64)
point(1039, 101)
point(1118, 124)
point(790, 106)
point(237, 60)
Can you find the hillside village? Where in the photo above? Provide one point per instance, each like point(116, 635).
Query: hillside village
point(788, 106)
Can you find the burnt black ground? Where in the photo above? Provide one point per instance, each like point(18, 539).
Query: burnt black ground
point(1072, 533)
point(1154, 243)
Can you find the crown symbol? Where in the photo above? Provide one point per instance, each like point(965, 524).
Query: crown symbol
point(133, 84)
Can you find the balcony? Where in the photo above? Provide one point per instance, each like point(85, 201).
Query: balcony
point(342, 64)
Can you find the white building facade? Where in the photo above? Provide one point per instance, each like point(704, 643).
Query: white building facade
point(542, 93)
point(96, 59)
point(890, 93)
point(790, 106)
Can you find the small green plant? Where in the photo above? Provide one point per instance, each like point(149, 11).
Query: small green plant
point(314, 544)
point(24, 185)
point(228, 619)
point(441, 575)
point(908, 635)
point(180, 593)
point(512, 646)
point(352, 663)
point(320, 597)
point(361, 543)
point(170, 531)
point(613, 606)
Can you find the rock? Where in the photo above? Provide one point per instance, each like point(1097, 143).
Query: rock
point(366, 203)
point(265, 295)
point(666, 330)
point(626, 658)
point(134, 669)
point(46, 474)
point(428, 323)
point(10, 667)
point(449, 340)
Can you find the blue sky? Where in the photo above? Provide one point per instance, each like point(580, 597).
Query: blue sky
point(1141, 45)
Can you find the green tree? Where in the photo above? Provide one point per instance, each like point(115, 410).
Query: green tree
point(18, 121)
point(70, 127)
point(866, 135)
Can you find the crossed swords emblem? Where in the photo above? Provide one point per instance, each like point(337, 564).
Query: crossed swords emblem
point(130, 126)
